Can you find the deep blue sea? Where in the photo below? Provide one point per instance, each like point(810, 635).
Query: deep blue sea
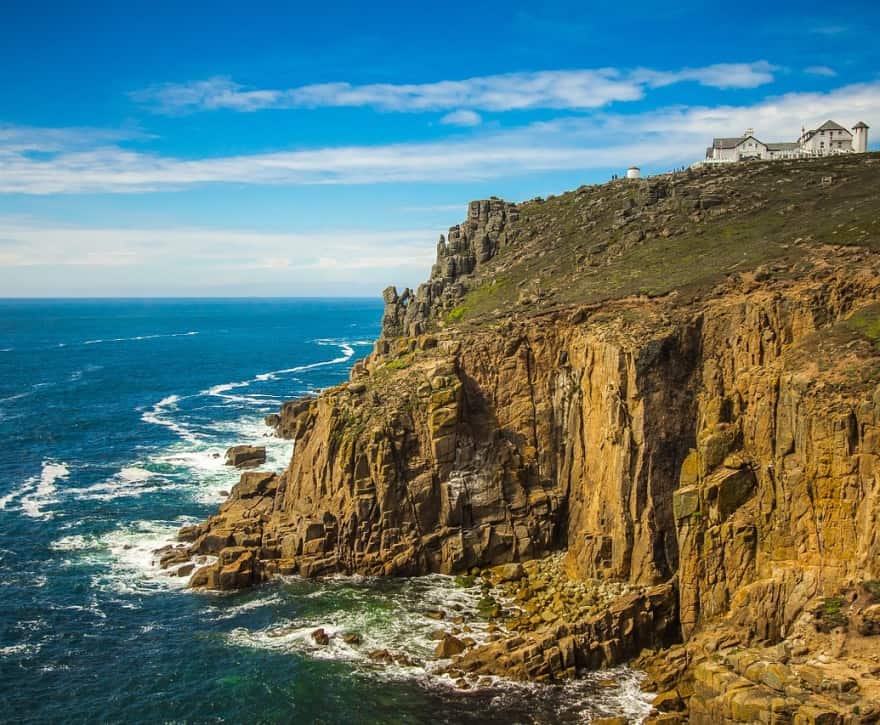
point(114, 415)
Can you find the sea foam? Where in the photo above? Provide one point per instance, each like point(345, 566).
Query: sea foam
point(38, 492)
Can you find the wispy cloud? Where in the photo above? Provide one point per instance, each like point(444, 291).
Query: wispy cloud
point(668, 136)
point(820, 70)
point(35, 139)
point(720, 75)
point(462, 117)
point(558, 89)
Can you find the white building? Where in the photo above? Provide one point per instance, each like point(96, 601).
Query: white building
point(829, 139)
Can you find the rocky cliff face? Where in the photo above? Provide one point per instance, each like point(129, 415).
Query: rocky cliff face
point(719, 436)
point(467, 246)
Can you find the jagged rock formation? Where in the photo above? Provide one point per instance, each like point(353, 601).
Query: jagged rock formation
point(468, 246)
point(675, 380)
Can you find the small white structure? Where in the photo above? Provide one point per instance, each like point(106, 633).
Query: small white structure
point(633, 172)
point(828, 139)
point(860, 137)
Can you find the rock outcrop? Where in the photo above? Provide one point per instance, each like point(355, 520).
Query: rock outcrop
point(467, 246)
point(246, 456)
point(599, 374)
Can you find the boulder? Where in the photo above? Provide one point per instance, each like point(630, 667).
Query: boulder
point(507, 573)
point(237, 568)
point(255, 483)
point(190, 533)
point(245, 456)
point(321, 637)
point(449, 646)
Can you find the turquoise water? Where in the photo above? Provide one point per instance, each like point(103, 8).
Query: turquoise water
point(113, 419)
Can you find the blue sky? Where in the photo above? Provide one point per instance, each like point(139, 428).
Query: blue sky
point(268, 149)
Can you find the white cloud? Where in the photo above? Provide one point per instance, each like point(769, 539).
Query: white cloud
point(559, 89)
point(720, 75)
point(669, 136)
point(49, 140)
point(39, 257)
point(35, 256)
point(820, 70)
point(27, 243)
point(462, 117)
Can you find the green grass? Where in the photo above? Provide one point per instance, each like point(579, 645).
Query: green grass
point(572, 250)
point(832, 613)
point(455, 314)
point(481, 300)
point(400, 363)
point(866, 322)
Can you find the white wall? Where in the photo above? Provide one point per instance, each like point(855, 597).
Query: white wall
point(860, 140)
point(751, 147)
point(823, 142)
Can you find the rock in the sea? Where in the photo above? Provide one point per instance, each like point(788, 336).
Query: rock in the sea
point(321, 637)
point(190, 533)
point(449, 646)
point(184, 569)
point(170, 555)
point(245, 456)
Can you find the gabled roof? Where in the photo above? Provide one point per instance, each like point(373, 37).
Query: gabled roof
point(783, 146)
point(727, 143)
point(831, 126)
point(732, 143)
point(861, 124)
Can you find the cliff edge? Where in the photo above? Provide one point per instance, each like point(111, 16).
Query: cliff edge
point(675, 381)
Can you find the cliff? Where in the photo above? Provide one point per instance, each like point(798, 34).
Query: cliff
point(676, 381)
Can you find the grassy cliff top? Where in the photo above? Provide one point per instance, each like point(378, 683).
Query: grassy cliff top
point(678, 234)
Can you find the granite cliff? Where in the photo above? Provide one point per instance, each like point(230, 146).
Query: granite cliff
point(675, 382)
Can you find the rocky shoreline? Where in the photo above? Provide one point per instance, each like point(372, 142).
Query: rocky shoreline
point(676, 384)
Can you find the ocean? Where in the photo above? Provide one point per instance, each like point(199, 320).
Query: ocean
point(114, 417)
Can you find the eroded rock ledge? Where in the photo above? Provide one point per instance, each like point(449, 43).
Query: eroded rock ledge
point(716, 446)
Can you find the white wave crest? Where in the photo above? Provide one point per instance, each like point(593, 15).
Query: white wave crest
point(140, 337)
point(130, 481)
point(222, 390)
point(38, 492)
point(158, 415)
point(124, 558)
point(398, 620)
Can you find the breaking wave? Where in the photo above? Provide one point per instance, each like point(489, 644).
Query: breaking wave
point(38, 492)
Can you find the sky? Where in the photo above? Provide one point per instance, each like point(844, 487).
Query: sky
point(266, 149)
